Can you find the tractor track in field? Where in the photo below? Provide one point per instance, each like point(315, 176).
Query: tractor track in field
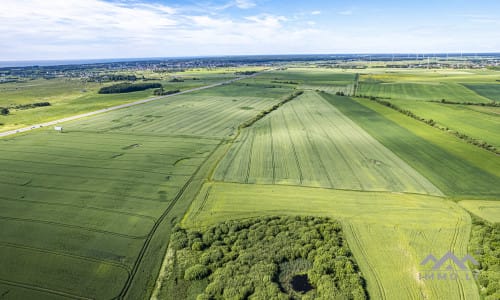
point(73, 227)
point(165, 213)
point(80, 207)
point(59, 253)
point(360, 247)
point(273, 165)
point(44, 290)
point(297, 161)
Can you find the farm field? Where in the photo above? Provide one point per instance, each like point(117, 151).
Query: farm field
point(488, 210)
point(458, 169)
point(389, 233)
point(74, 96)
point(96, 203)
point(462, 118)
point(490, 91)
point(278, 148)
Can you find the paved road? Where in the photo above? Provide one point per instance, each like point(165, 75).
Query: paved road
point(51, 123)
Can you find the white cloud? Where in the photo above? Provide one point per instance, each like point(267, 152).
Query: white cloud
point(345, 12)
point(245, 4)
point(267, 20)
point(316, 12)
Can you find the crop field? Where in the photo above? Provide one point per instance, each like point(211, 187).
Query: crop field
point(74, 96)
point(491, 91)
point(85, 206)
point(420, 91)
point(277, 150)
point(388, 252)
point(488, 210)
point(458, 169)
point(88, 213)
point(479, 125)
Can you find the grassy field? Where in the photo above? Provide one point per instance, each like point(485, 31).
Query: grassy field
point(74, 96)
point(458, 169)
point(423, 85)
point(462, 118)
point(95, 205)
point(491, 91)
point(309, 142)
point(488, 210)
point(389, 233)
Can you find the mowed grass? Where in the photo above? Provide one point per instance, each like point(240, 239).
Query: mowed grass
point(488, 210)
point(309, 142)
point(458, 169)
point(462, 118)
point(491, 91)
point(389, 233)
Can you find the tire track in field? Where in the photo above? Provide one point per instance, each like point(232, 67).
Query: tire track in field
point(272, 151)
point(314, 147)
point(149, 237)
point(80, 207)
point(362, 251)
point(43, 290)
point(204, 202)
point(73, 227)
point(301, 177)
point(250, 157)
point(59, 253)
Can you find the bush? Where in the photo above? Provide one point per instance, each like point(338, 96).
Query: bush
point(196, 272)
point(4, 111)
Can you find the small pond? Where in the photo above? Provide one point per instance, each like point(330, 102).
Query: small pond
point(300, 283)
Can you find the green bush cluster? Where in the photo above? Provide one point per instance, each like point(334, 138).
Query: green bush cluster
point(246, 259)
point(485, 247)
point(31, 105)
point(162, 92)
point(128, 87)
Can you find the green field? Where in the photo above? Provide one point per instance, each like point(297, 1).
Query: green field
point(462, 118)
point(458, 169)
point(88, 213)
point(309, 142)
point(389, 233)
point(97, 202)
point(491, 91)
point(74, 96)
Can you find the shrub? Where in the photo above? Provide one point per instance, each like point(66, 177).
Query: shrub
point(196, 272)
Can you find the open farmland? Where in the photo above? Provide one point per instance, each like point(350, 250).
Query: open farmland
point(94, 205)
point(488, 210)
point(458, 169)
point(389, 233)
point(277, 150)
point(490, 91)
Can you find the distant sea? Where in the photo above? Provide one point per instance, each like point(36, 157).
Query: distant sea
point(28, 63)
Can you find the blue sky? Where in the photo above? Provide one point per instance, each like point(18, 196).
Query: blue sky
point(81, 29)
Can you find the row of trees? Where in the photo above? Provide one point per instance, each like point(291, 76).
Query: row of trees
point(247, 258)
point(128, 87)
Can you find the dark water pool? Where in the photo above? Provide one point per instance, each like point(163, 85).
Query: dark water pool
point(300, 283)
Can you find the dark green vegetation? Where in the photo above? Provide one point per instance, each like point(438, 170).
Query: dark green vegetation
point(4, 111)
point(491, 91)
point(259, 258)
point(128, 87)
point(162, 92)
point(31, 105)
point(451, 174)
point(485, 246)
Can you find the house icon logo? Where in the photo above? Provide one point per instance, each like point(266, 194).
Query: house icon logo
point(449, 257)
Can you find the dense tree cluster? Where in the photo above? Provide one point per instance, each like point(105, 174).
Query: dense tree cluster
point(4, 111)
point(128, 87)
point(246, 73)
point(31, 105)
point(255, 258)
point(485, 247)
point(162, 92)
